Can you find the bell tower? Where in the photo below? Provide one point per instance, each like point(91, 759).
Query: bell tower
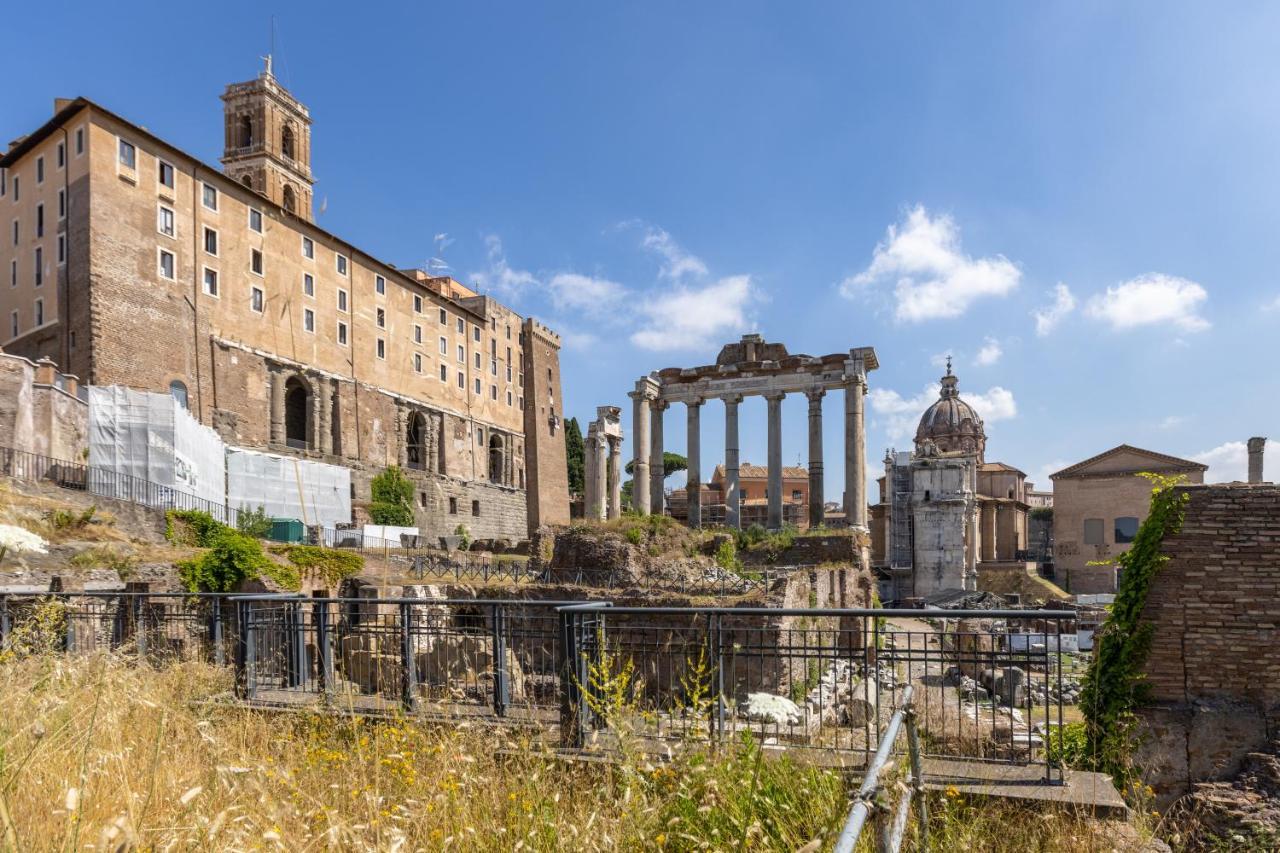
point(268, 142)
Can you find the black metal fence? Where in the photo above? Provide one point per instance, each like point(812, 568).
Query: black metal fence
point(79, 476)
point(987, 684)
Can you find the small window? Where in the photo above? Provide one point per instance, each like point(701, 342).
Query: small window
point(39, 170)
point(62, 155)
point(39, 266)
point(17, 189)
point(444, 347)
point(508, 398)
point(1126, 529)
point(209, 197)
point(255, 261)
point(211, 242)
point(165, 174)
point(380, 284)
point(62, 249)
point(255, 220)
point(256, 299)
point(13, 273)
point(165, 223)
point(475, 508)
point(39, 220)
point(166, 265)
point(417, 304)
point(462, 354)
point(178, 390)
point(62, 205)
point(128, 155)
point(462, 326)
point(13, 324)
point(493, 392)
point(477, 355)
point(444, 373)
point(308, 284)
point(475, 333)
point(462, 381)
point(479, 388)
point(210, 282)
point(493, 366)
point(382, 348)
point(444, 317)
point(417, 362)
point(508, 338)
point(342, 300)
point(342, 333)
point(417, 333)
point(341, 264)
point(382, 318)
point(480, 436)
point(79, 141)
point(453, 502)
point(15, 232)
point(308, 320)
point(1093, 531)
point(39, 313)
point(308, 248)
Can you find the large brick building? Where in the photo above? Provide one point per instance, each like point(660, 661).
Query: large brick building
point(127, 261)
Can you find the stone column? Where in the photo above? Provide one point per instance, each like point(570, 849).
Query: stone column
point(276, 377)
point(775, 460)
point(694, 483)
point(1256, 446)
point(324, 428)
point(640, 463)
point(589, 474)
point(601, 452)
point(816, 509)
point(855, 452)
point(656, 468)
point(732, 495)
point(402, 433)
point(615, 478)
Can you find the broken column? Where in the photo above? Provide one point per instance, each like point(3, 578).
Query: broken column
point(1256, 445)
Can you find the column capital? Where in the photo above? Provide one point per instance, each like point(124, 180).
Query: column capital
point(775, 397)
point(730, 399)
point(647, 388)
point(815, 395)
point(695, 403)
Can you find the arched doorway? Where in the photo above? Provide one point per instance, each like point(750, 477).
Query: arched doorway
point(246, 131)
point(290, 201)
point(297, 412)
point(286, 142)
point(496, 459)
point(416, 441)
point(178, 389)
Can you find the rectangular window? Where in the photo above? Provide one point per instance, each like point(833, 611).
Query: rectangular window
point(493, 392)
point(39, 266)
point(1126, 529)
point(462, 381)
point(13, 273)
point(39, 313)
point(475, 508)
point(380, 284)
point(62, 205)
point(520, 401)
point(382, 348)
point(308, 320)
point(62, 155)
point(417, 304)
point(444, 317)
point(493, 366)
point(508, 398)
point(417, 333)
point(209, 197)
point(444, 373)
point(210, 282)
point(342, 333)
point(462, 326)
point(475, 333)
point(308, 248)
point(453, 502)
point(342, 300)
point(39, 220)
point(128, 155)
point(13, 325)
point(255, 220)
point(477, 361)
point(479, 389)
point(211, 242)
point(255, 261)
point(444, 347)
point(39, 170)
point(62, 249)
point(165, 222)
point(308, 284)
point(1093, 531)
point(166, 265)
point(382, 319)
point(256, 299)
point(508, 373)
point(4, 181)
point(341, 264)
point(417, 362)
point(17, 189)
point(15, 232)
point(79, 141)
point(462, 354)
point(165, 174)
point(508, 338)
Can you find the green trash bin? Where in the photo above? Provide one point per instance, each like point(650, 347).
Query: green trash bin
point(287, 530)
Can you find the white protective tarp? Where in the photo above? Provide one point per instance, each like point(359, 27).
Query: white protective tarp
point(287, 487)
point(161, 450)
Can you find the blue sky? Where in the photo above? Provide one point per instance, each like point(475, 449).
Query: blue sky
point(1080, 203)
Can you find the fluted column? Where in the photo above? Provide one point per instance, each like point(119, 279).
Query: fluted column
point(855, 454)
point(600, 449)
point(402, 430)
point(775, 460)
point(640, 461)
point(694, 482)
point(816, 510)
point(615, 478)
point(589, 474)
point(732, 495)
point(656, 469)
point(276, 377)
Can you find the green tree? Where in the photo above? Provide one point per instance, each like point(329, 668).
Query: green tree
point(391, 492)
point(575, 454)
point(671, 463)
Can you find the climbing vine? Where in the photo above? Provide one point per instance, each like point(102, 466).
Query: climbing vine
point(1114, 684)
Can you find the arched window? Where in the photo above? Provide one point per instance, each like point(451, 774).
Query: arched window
point(246, 131)
point(247, 180)
point(286, 142)
point(297, 412)
point(416, 441)
point(496, 459)
point(289, 201)
point(178, 389)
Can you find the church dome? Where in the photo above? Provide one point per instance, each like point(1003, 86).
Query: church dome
point(951, 423)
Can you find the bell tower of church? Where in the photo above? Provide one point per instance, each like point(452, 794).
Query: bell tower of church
point(268, 142)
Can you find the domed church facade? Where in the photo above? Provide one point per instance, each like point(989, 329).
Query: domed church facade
point(944, 511)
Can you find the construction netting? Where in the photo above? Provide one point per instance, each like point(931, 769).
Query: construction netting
point(287, 487)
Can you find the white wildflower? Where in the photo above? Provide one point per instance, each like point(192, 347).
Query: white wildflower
point(19, 540)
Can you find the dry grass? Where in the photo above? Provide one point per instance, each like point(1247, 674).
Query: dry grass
point(99, 753)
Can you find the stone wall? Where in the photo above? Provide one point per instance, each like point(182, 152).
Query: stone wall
point(39, 410)
point(1214, 668)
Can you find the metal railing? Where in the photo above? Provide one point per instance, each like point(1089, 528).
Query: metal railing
point(825, 680)
point(714, 581)
point(78, 476)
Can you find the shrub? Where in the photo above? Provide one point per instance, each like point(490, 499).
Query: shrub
point(193, 528)
point(232, 559)
point(465, 534)
point(391, 491)
point(329, 565)
point(254, 522)
point(65, 519)
point(634, 535)
point(104, 557)
point(727, 556)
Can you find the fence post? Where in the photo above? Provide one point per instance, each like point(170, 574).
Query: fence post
point(6, 623)
point(244, 650)
point(296, 644)
point(408, 666)
point(501, 676)
point(715, 649)
point(139, 625)
point(321, 611)
point(215, 631)
point(571, 696)
point(69, 625)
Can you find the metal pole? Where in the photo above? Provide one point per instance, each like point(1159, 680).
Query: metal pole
point(501, 676)
point(917, 778)
point(139, 625)
point(321, 611)
point(408, 667)
point(870, 784)
point(215, 631)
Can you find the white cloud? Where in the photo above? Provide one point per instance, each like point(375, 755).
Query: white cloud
point(676, 262)
point(589, 294)
point(693, 317)
point(931, 276)
point(900, 415)
point(1051, 315)
point(989, 354)
point(1227, 462)
point(500, 276)
point(1151, 298)
point(1272, 305)
point(1172, 421)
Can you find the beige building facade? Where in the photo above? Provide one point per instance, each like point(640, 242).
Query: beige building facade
point(1098, 505)
point(131, 262)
